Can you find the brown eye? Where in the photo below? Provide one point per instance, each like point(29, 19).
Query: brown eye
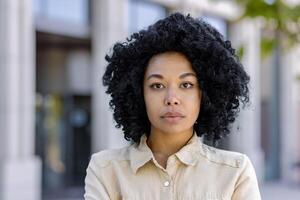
point(187, 85)
point(156, 86)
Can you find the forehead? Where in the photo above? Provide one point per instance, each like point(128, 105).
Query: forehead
point(169, 63)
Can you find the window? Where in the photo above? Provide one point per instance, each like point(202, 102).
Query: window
point(73, 11)
point(143, 14)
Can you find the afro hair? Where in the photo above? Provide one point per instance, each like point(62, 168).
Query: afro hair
point(221, 76)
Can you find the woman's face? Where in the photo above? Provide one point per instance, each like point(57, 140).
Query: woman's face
point(171, 92)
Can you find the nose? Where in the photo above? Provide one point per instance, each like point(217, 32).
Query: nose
point(171, 98)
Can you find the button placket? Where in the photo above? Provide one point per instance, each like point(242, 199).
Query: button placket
point(167, 183)
point(167, 180)
point(166, 189)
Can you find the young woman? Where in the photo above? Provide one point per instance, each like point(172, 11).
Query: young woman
point(170, 84)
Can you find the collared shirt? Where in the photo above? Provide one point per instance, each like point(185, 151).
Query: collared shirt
point(195, 172)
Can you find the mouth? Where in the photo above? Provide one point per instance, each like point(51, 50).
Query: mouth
point(172, 118)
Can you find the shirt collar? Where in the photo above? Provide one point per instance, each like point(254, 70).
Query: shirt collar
point(140, 153)
point(188, 154)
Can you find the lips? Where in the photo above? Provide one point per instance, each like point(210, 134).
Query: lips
point(172, 115)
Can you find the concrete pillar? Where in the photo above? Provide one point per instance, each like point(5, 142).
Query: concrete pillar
point(289, 109)
point(20, 170)
point(109, 25)
point(246, 138)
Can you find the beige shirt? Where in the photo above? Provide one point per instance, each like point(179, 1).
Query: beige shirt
point(196, 171)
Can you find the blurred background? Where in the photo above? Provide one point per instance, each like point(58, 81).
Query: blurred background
point(54, 113)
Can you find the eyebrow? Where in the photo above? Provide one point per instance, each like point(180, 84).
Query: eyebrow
point(182, 76)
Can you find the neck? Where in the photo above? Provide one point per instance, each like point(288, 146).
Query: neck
point(166, 144)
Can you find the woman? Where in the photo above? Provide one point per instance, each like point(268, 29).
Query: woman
point(169, 84)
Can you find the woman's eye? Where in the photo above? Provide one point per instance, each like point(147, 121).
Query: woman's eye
point(187, 85)
point(156, 86)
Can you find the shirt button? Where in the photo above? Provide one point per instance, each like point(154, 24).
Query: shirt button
point(237, 163)
point(166, 183)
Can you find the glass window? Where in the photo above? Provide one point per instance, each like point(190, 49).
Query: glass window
point(143, 14)
point(218, 23)
point(75, 11)
point(37, 7)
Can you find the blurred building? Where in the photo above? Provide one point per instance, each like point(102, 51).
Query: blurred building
point(54, 112)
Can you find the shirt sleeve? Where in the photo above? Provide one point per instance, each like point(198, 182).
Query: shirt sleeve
point(247, 186)
point(94, 188)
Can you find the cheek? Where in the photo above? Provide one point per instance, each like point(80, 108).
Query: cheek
point(152, 103)
point(193, 103)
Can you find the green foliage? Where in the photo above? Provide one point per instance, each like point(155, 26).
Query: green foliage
point(278, 17)
point(240, 52)
point(256, 8)
point(267, 46)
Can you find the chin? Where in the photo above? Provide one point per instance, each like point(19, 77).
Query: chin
point(174, 129)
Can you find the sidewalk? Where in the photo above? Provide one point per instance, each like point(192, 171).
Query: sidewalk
point(280, 191)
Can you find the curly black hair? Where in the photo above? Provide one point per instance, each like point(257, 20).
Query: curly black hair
point(221, 76)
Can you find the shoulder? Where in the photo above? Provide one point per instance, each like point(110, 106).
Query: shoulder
point(224, 157)
point(105, 157)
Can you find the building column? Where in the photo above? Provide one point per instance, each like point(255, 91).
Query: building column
point(109, 25)
point(290, 116)
point(246, 132)
point(20, 169)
